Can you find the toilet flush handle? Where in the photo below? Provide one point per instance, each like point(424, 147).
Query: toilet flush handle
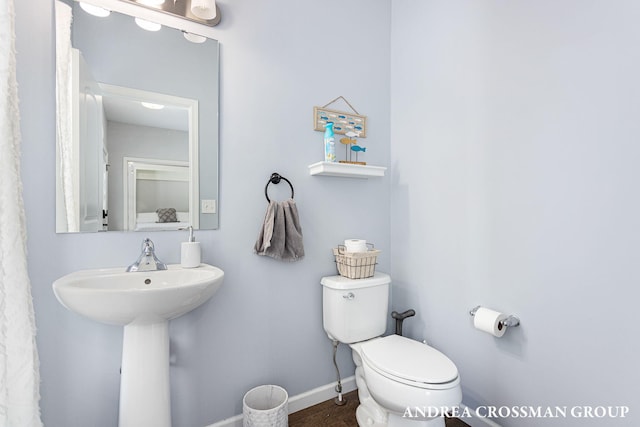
point(349, 296)
point(400, 318)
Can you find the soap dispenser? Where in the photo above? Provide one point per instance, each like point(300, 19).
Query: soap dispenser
point(191, 253)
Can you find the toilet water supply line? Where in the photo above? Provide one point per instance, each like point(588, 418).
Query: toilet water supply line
point(340, 400)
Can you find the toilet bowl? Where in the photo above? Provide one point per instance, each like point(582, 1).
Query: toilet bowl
point(401, 382)
point(410, 380)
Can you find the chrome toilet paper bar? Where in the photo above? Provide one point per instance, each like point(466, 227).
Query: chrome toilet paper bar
point(510, 321)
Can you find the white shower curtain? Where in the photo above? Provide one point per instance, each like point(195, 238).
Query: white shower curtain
point(19, 376)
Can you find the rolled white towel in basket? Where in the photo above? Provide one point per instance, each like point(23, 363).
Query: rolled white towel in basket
point(281, 235)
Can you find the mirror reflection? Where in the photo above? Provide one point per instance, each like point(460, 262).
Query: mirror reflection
point(137, 145)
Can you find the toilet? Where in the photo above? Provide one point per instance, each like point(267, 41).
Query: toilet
point(401, 382)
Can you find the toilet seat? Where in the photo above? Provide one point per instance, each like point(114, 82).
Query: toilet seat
point(410, 362)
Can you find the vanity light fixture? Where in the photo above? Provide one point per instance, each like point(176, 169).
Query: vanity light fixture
point(148, 25)
point(95, 10)
point(151, 2)
point(204, 12)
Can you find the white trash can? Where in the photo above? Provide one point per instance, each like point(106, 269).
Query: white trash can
point(265, 406)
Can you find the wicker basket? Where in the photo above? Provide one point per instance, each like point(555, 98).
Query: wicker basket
point(356, 265)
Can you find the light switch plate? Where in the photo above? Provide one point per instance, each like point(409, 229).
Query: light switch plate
point(208, 206)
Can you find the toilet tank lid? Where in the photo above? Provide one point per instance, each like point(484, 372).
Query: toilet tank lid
point(342, 283)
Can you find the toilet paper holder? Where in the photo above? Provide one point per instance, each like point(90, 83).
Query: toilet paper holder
point(510, 321)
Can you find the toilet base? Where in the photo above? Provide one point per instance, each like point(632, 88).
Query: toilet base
point(370, 414)
point(365, 419)
point(399, 421)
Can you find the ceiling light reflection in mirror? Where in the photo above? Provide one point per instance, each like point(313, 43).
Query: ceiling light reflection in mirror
point(95, 10)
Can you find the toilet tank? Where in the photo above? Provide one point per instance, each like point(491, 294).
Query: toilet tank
point(355, 310)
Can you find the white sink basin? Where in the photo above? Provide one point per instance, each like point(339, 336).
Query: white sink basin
point(142, 302)
point(118, 298)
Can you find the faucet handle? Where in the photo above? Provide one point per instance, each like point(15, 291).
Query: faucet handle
point(147, 245)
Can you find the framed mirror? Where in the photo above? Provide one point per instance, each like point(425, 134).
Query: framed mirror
point(137, 125)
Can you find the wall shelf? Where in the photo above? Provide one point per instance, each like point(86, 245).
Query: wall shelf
point(346, 170)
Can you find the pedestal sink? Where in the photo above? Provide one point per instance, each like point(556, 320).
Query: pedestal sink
point(142, 302)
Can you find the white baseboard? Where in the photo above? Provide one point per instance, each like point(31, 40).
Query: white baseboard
point(300, 401)
point(327, 392)
point(476, 421)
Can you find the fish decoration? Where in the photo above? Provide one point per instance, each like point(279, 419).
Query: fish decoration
point(347, 141)
point(357, 149)
point(345, 121)
point(350, 141)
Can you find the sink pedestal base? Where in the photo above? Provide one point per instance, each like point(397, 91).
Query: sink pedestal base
point(145, 399)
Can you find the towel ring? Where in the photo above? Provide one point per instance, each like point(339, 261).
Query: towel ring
point(275, 179)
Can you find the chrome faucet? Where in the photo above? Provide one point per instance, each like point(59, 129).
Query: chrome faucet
point(147, 261)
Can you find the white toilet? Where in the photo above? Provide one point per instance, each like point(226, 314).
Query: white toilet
point(401, 382)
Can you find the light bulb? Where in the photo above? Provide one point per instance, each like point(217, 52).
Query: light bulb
point(204, 9)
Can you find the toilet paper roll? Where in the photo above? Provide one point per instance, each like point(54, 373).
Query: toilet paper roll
point(488, 320)
point(355, 245)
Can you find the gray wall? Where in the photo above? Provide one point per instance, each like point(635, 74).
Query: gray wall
point(264, 325)
point(514, 185)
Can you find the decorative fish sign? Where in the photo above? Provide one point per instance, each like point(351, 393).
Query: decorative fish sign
point(357, 148)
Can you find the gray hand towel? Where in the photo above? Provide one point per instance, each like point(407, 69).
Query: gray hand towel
point(281, 235)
